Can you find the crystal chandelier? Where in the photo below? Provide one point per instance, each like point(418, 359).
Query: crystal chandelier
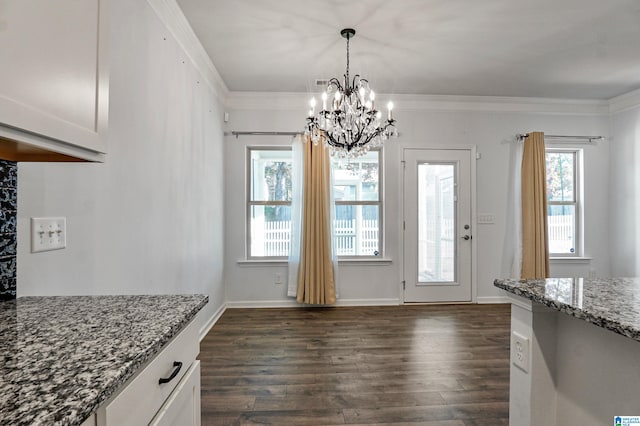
point(349, 121)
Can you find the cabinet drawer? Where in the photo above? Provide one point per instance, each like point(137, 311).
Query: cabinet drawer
point(142, 397)
point(183, 406)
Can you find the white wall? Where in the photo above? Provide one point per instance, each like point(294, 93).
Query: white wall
point(150, 219)
point(624, 193)
point(491, 126)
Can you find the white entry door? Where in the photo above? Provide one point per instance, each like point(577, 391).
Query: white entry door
point(437, 225)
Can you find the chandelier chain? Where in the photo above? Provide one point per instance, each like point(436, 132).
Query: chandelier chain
point(346, 83)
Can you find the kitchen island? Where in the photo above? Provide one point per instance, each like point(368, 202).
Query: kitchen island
point(575, 350)
point(64, 358)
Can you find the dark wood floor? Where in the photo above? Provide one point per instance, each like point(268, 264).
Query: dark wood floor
point(433, 365)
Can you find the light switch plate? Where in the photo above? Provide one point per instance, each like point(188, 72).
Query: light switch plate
point(486, 218)
point(48, 233)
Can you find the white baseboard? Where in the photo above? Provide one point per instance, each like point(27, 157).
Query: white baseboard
point(493, 299)
point(262, 304)
point(293, 304)
point(368, 302)
point(211, 321)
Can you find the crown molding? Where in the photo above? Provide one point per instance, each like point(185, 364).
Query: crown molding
point(170, 14)
point(624, 102)
point(502, 104)
point(174, 20)
point(403, 102)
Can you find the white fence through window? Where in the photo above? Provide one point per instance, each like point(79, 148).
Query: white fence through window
point(352, 237)
point(561, 234)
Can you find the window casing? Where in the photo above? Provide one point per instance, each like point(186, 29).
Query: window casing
point(358, 198)
point(564, 209)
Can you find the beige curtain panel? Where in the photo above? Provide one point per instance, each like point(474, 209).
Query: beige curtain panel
point(535, 250)
point(316, 284)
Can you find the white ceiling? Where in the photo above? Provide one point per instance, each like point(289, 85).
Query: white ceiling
point(581, 49)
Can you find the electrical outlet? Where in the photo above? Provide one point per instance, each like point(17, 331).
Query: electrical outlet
point(520, 351)
point(48, 233)
point(278, 279)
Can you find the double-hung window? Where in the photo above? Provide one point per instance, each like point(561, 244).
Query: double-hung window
point(358, 213)
point(357, 193)
point(563, 201)
point(269, 202)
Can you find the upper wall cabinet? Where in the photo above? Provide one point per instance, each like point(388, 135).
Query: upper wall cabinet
point(54, 85)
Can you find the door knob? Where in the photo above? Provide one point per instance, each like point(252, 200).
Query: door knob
point(466, 237)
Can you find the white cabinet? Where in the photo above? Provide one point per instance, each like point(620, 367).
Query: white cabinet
point(183, 407)
point(144, 400)
point(54, 77)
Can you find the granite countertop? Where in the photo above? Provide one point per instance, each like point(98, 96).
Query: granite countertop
point(63, 356)
point(611, 303)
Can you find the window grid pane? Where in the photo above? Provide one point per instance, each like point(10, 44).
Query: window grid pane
point(356, 179)
point(357, 230)
point(270, 230)
point(560, 176)
point(271, 175)
point(561, 223)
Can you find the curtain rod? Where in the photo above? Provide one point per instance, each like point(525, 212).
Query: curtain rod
point(590, 139)
point(236, 134)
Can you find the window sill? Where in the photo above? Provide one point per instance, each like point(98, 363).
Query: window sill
point(366, 261)
point(261, 262)
point(570, 259)
point(346, 262)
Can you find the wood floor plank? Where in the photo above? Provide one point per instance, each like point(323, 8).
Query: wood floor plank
point(393, 365)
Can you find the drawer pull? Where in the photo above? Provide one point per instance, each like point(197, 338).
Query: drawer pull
point(178, 366)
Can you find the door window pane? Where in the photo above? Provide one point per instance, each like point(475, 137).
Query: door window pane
point(436, 223)
point(561, 225)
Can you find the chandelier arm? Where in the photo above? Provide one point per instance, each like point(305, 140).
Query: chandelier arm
point(337, 142)
point(331, 140)
point(379, 131)
point(370, 117)
point(335, 82)
point(373, 135)
point(356, 79)
point(359, 143)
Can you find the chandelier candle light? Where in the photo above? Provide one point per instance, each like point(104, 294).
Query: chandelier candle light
point(352, 125)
